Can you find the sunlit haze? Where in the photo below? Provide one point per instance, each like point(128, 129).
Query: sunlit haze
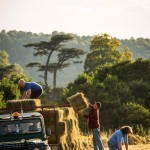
point(118, 18)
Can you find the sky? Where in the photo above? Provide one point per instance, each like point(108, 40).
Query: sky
point(118, 18)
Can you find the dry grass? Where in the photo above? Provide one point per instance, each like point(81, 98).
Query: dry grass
point(136, 142)
point(136, 147)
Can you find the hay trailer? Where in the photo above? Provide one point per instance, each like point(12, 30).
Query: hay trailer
point(17, 129)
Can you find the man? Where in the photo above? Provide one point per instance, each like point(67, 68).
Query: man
point(119, 137)
point(30, 89)
point(94, 125)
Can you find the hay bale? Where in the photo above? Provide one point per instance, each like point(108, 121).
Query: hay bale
point(52, 139)
point(27, 104)
point(86, 111)
point(52, 126)
point(78, 102)
point(49, 115)
point(61, 128)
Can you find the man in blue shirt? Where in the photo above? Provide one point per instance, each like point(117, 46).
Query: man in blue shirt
point(30, 89)
point(119, 137)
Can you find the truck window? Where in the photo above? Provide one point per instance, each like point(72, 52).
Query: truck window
point(20, 126)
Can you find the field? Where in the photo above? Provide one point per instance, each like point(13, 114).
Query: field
point(134, 147)
point(137, 147)
point(140, 144)
point(140, 147)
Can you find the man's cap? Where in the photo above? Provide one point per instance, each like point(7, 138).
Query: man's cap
point(98, 104)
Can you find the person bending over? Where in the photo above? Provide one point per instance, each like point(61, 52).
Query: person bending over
point(119, 137)
point(30, 89)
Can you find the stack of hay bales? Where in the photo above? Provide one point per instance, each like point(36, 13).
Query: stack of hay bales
point(78, 102)
point(51, 117)
point(70, 139)
point(65, 128)
point(27, 104)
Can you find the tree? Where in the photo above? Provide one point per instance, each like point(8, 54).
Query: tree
point(104, 50)
point(115, 86)
point(64, 54)
point(127, 55)
point(4, 59)
point(47, 49)
point(134, 114)
point(6, 69)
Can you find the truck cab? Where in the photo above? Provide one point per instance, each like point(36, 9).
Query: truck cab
point(25, 131)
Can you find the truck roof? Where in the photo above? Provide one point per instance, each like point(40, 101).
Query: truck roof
point(25, 115)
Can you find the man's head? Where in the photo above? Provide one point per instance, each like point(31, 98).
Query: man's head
point(126, 130)
point(97, 105)
point(21, 82)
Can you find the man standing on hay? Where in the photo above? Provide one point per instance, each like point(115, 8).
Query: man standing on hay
point(30, 89)
point(94, 125)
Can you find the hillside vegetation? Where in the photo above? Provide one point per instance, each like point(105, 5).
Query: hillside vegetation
point(12, 42)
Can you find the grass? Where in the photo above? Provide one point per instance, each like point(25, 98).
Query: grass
point(136, 142)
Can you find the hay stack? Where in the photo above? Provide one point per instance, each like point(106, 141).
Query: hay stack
point(65, 129)
point(27, 104)
point(70, 140)
point(78, 102)
point(51, 119)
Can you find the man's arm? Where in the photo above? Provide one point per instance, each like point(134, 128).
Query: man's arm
point(26, 94)
point(119, 146)
point(126, 145)
point(87, 116)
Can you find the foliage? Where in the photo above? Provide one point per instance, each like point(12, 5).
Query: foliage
point(126, 54)
point(9, 76)
point(123, 89)
point(105, 51)
point(56, 44)
point(81, 84)
point(10, 90)
point(4, 59)
point(2, 103)
point(137, 116)
point(12, 42)
point(6, 69)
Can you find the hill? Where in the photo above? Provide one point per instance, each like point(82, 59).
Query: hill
point(13, 41)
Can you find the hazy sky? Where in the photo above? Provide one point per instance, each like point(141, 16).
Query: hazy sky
point(118, 18)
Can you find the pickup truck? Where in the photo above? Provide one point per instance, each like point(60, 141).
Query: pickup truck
point(23, 131)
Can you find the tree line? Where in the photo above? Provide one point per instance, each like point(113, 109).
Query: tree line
point(13, 43)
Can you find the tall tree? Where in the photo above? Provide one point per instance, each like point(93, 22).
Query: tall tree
point(104, 50)
point(65, 57)
point(64, 54)
point(44, 48)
